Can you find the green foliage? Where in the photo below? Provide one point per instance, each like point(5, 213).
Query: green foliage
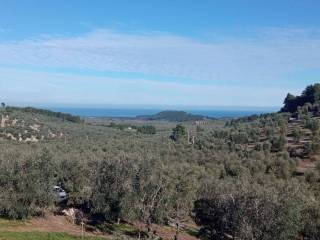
point(178, 132)
point(173, 116)
point(311, 216)
point(64, 116)
point(119, 126)
point(297, 135)
point(146, 129)
point(278, 143)
point(249, 211)
point(109, 189)
point(26, 186)
point(310, 95)
point(239, 178)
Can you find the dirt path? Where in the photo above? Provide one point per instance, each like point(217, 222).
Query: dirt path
point(52, 223)
point(49, 223)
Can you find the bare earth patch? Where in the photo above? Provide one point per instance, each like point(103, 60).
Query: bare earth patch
point(49, 223)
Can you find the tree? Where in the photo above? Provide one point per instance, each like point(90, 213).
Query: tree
point(244, 211)
point(3, 105)
point(26, 186)
point(297, 134)
point(289, 103)
point(147, 129)
point(149, 193)
point(110, 186)
point(178, 132)
point(310, 95)
point(182, 193)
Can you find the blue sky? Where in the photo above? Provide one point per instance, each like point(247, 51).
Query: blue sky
point(188, 53)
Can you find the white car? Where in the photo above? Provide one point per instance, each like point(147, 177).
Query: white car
point(61, 194)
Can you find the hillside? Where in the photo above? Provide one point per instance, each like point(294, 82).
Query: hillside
point(32, 124)
point(173, 116)
point(296, 136)
point(164, 178)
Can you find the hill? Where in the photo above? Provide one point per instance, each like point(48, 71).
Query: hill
point(49, 113)
point(32, 124)
point(173, 116)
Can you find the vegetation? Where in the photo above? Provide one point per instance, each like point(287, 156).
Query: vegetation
point(310, 98)
point(41, 236)
point(146, 129)
point(178, 132)
point(64, 116)
point(253, 178)
point(173, 116)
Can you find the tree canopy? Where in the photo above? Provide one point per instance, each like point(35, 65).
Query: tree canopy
point(311, 95)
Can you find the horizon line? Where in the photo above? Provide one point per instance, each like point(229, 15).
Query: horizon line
point(141, 106)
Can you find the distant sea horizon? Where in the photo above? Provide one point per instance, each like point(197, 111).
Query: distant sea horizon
point(134, 112)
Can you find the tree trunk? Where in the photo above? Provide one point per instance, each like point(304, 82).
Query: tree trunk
point(148, 226)
point(176, 236)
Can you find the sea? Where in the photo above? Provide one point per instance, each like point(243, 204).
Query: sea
point(133, 112)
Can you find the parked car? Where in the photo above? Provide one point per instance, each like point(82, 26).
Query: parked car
point(61, 194)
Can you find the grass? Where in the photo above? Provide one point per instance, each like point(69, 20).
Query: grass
point(121, 229)
point(41, 236)
point(192, 232)
point(4, 223)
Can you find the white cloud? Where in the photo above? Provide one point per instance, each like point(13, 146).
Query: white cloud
point(236, 70)
point(270, 56)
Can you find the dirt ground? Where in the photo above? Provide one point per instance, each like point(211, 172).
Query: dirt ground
point(56, 223)
point(49, 223)
point(166, 232)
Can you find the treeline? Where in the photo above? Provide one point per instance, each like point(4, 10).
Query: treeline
point(145, 129)
point(63, 116)
point(310, 96)
point(256, 117)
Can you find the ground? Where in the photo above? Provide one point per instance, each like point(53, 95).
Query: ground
point(53, 227)
point(49, 227)
point(40, 236)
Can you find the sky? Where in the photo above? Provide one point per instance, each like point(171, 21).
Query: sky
point(206, 53)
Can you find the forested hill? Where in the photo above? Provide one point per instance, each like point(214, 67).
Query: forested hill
point(173, 116)
point(49, 113)
point(28, 124)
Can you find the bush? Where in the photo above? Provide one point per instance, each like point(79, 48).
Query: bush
point(147, 129)
point(26, 187)
point(250, 212)
point(178, 132)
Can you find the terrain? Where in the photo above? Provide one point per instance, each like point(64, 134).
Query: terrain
point(173, 116)
point(255, 177)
